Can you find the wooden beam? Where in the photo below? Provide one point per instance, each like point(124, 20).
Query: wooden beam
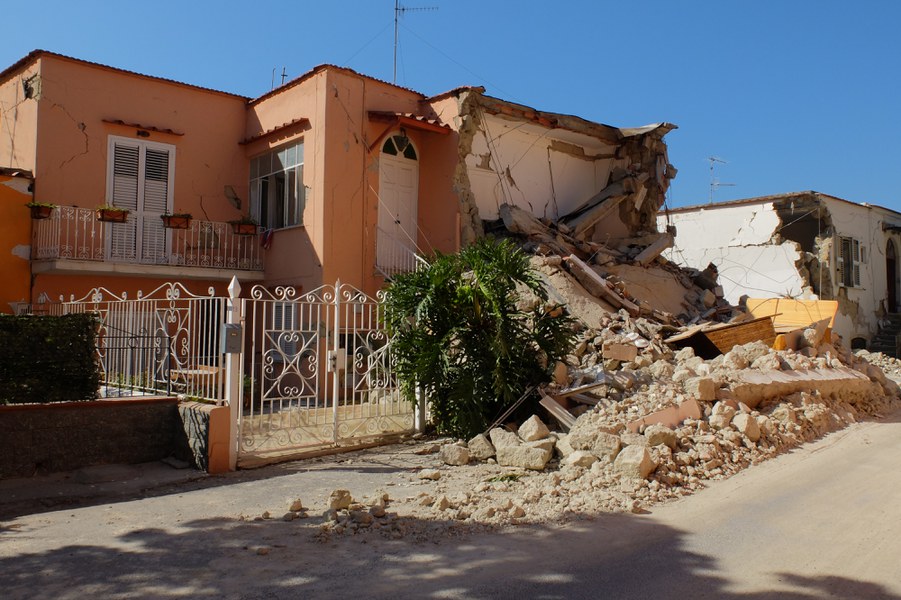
point(598, 285)
point(645, 257)
point(563, 416)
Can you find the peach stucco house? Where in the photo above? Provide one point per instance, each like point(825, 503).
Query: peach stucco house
point(348, 177)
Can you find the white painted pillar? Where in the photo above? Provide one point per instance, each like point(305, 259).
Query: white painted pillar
point(234, 311)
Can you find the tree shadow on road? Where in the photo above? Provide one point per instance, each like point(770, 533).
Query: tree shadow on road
point(615, 556)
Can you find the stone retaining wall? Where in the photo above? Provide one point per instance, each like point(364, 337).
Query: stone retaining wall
point(47, 438)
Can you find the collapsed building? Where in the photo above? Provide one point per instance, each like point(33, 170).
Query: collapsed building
point(805, 245)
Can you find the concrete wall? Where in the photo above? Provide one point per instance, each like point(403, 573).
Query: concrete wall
point(37, 439)
point(18, 121)
point(737, 239)
point(744, 242)
point(548, 172)
point(15, 241)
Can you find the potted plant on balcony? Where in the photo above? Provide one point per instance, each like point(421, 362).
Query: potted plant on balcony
point(246, 225)
point(176, 220)
point(112, 214)
point(40, 210)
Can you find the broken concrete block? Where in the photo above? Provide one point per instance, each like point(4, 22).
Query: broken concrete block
point(580, 458)
point(533, 429)
point(523, 456)
point(721, 415)
point(606, 445)
point(563, 447)
point(634, 462)
point(669, 416)
point(339, 500)
point(701, 388)
point(432, 474)
point(620, 352)
point(296, 506)
point(545, 444)
point(480, 448)
point(501, 437)
point(455, 455)
point(660, 434)
point(708, 299)
point(746, 424)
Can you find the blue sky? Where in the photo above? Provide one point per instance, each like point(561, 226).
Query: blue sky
point(794, 94)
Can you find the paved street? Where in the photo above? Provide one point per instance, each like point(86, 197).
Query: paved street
point(823, 521)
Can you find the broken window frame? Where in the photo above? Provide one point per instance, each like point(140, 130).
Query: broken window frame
point(849, 260)
point(277, 193)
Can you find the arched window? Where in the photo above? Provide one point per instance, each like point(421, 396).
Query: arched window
point(399, 145)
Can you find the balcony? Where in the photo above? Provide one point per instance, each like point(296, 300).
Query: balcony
point(73, 240)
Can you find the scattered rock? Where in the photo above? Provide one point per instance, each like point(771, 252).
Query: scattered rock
point(533, 429)
point(634, 462)
point(480, 448)
point(339, 500)
point(454, 455)
point(432, 474)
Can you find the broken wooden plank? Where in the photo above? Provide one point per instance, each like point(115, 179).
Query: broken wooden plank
point(585, 399)
point(563, 416)
point(518, 220)
point(645, 257)
point(598, 285)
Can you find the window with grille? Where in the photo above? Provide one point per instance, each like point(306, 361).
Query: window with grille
point(849, 261)
point(277, 193)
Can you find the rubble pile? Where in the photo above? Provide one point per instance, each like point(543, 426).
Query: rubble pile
point(646, 421)
point(675, 425)
point(634, 416)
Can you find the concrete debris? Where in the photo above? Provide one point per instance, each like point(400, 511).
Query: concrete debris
point(455, 455)
point(480, 448)
point(533, 429)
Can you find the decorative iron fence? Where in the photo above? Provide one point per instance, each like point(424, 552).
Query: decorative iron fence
point(167, 341)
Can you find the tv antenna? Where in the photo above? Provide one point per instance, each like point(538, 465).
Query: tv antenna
point(714, 182)
point(398, 11)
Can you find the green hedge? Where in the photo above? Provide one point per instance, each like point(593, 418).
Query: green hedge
point(48, 359)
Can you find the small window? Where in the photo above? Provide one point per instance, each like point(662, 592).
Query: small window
point(277, 193)
point(849, 262)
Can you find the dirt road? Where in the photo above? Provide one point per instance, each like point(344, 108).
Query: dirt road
point(821, 522)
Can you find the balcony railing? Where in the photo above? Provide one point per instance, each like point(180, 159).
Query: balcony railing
point(73, 233)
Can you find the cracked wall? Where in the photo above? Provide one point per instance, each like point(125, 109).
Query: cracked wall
point(788, 247)
point(551, 165)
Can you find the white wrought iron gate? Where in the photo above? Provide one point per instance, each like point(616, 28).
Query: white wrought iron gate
point(318, 373)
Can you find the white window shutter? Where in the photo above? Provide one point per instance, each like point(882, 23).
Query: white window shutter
point(126, 163)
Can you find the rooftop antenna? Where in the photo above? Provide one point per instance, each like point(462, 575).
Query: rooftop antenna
point(714, 182)
point(398, 11)
point(283, 76)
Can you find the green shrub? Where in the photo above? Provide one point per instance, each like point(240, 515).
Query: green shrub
point(48, 359)
point(457, 333)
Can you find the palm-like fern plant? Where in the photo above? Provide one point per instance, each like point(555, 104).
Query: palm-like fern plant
point(459, 335)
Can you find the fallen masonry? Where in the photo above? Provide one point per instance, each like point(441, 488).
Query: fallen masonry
point(630, 420)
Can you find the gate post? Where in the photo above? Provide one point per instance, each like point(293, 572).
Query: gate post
point(234, 315)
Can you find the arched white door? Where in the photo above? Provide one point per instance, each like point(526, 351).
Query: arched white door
point(398, 199)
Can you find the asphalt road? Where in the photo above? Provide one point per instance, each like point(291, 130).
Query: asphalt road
point(823, 521)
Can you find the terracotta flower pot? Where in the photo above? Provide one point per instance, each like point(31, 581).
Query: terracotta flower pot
point(112, 216)
point(41, 212)
point(176, 221)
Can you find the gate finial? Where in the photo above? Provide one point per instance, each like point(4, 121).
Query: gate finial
point(234, 288)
